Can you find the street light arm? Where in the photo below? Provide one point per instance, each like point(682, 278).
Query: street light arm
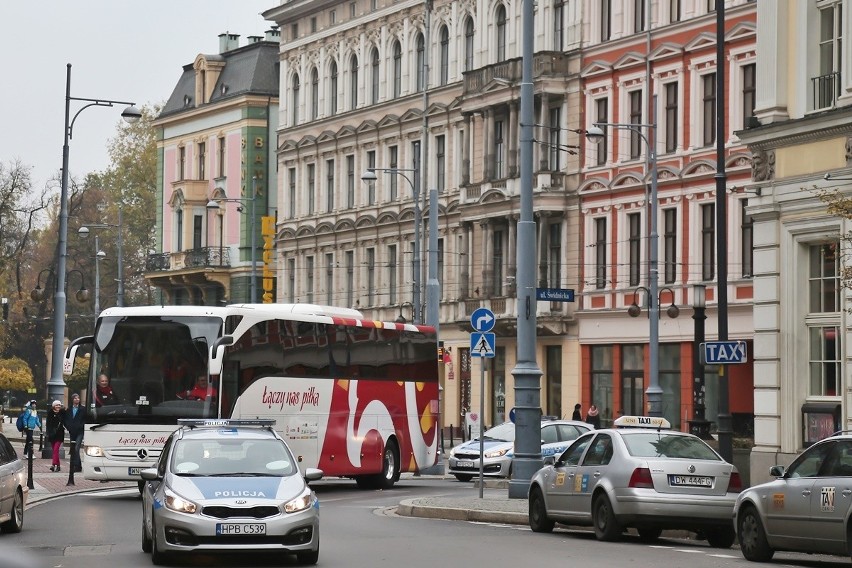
point(130, 114)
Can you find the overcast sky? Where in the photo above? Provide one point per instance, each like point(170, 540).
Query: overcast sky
point(119, 50)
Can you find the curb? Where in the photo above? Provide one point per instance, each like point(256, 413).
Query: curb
point(410, 508)
point(39, 498)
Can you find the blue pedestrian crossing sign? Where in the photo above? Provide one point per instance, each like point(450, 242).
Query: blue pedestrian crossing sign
point(482, 319)
point(482, 345)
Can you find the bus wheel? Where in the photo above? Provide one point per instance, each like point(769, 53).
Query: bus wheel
point(390, 467)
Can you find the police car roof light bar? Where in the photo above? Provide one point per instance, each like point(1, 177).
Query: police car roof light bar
point(215, 422)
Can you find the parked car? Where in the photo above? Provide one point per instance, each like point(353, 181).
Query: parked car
point(13, 488)
point(806, 509)
point(229, 485)
point(499, 444)
point(639, 474)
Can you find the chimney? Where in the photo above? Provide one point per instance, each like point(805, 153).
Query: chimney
point(254, 39)
point(228, 41)
point(273, 34)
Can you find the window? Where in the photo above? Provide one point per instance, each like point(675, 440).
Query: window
point(353, 82)
point(709, 115)
point(634, 245)
point(669, 245)
point(415, 155)
point(314, 93)
point(371, 276)
point(747, 240)
point(291, 276)
point(823, 279)
point(291, 179)
point(294, 31)
point(749, 92)
point(329, 279)
point(711, 5)
point(553, 379)
point(501, 33)
point(374, 77)
point(554, 265)
point(638, 15)
point(309, 279)
point(602, 379)
point(182, 163)
point(179, 230)
point(350, 278)
point(445, 55)
point(600, 253)
point(602, 114)
point(373, 5)
point(420, 65)
point(350, 182)
point(674, 11)
point(671, 116)
point(708, 241)
point(220, 161)
point(826, 86)
point(397, 69)
point(468, 44)
point(555, 143)
point(311, 188)
point(635, 118)
point(440, 265)
point(332, 17)
point(606, 19)
point(197, 231)
point(497, 267)
point(632, 379)
point(294, 110)
point(393, 159)
point(392, 274)
point(329, 185)
point(498, 149)
point(559, 25)
point(371, 186)
point(824, 360)
point(440, 163)
point(333, 88)
point(352, 15)
point(314, 25)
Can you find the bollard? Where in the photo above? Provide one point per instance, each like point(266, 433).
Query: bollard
point(40, 442)
point(30, 484)
point(71, 466)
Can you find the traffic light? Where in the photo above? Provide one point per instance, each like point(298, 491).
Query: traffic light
point(5, 302)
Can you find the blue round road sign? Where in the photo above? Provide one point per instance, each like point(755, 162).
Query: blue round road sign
point(482, 320)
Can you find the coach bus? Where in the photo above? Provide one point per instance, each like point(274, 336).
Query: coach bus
point(353, 397)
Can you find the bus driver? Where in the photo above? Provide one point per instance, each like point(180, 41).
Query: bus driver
point(200, 391)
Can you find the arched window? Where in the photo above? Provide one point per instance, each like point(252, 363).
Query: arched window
point(501, 33)
point(374, 78)
point(333, 88)
point(445, 55)
point(420, 63)
point(294, 114)
point(468, 44)
point(314, 94)
point(353, 82)
point(397, 69)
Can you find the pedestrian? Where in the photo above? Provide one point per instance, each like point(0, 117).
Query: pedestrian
point(31, 422)
point(577, 414)
point(593, 418)
point(55, 432)
point(75, 419)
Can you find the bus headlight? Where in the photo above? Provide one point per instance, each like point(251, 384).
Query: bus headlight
point(300, 503)
point(177, 503)
point(94, 451)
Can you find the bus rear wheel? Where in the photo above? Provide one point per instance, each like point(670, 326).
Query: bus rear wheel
point(390, 470)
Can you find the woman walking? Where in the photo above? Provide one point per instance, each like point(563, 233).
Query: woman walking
point(56, 431)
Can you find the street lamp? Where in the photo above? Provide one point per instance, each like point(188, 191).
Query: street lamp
point(370, 175)
point(99, 256)
point(213, 205)
point(596, 134)
point(401, 318)
point(699, 425)
point(84, 232)
point(38, 293)
point(55, 385)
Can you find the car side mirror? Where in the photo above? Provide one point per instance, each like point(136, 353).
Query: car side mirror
point(150, 474)
point(777, 471)
point(313, 474)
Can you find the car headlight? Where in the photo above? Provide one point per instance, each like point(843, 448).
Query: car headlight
point(94, 451)
point(496, 453)
point(300, 503)
point(177, 503)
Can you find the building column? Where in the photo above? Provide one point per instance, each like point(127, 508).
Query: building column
point(543, 119)
point(466, 139)
point(488, 144)
point(774, 52)
point(512, 268)
point(466, 257)
point(542, 229)
point(513, 144)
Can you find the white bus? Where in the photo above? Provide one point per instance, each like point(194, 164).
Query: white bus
point(353, 397)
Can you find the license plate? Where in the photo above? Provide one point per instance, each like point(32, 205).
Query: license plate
point(690, 481)
point(464, 463)
point(240, 528)
point(134, 470)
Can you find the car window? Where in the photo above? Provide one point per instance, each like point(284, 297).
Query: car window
point(164, 456)
point(231, 457)
point(6, 453)
point(810, 461)
point(504, 432)
point(568, 432)
point(548, 434)
point(661, 444)
point(572, 455)
point(600, 452)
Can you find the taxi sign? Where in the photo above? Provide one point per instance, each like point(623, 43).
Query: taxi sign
point(657, 422)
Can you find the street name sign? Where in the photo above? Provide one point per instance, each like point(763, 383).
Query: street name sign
point(554, 294)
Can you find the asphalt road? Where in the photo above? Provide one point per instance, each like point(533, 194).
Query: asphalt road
point(359, 529)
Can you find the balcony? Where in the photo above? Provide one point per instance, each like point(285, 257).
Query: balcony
point(825, 90)
point(544, 64)
point(205, 257)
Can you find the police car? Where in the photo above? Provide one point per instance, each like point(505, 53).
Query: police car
point(639, 474)
point(229, 485)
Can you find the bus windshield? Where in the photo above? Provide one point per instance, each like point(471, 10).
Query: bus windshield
point(152, 370)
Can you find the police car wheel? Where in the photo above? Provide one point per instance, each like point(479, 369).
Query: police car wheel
point(310, 557)
point(146, 540)
point(158, 557)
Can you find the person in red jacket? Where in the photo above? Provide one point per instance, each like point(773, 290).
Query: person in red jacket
point(202, 390)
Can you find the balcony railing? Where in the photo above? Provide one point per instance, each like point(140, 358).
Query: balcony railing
point(194, 258)
point(545, 63)
point(826, 89)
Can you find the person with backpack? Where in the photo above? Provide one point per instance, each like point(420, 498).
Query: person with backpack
point(31, 422)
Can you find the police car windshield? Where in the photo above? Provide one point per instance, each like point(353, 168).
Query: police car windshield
point(504, 432)
point(662, 444)
point(232, 457)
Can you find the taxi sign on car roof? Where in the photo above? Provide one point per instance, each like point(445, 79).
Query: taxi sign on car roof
point(193, 422)
point(642, 422)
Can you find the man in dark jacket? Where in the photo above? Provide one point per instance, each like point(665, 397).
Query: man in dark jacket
point(75, 418)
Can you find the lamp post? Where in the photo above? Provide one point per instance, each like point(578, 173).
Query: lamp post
point(653, 393)
point(699, 425)
point(401, 318)
point(84, 232)
point(213, 204)
point(56, 385)
point(370, 175)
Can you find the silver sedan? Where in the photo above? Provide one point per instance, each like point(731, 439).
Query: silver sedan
point(806, 509)
point(648, 478)
point(13, 488)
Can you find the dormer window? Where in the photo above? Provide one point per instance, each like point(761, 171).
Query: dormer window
point(187, 101)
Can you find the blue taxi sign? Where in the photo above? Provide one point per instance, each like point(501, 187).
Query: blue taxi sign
point(482, 320)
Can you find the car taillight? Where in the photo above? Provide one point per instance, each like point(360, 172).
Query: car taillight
point(735, 485)
point(641, 479)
